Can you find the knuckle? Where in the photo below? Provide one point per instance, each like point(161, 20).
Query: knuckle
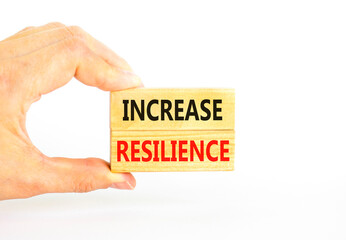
point(77, 32)
point(87, 182)
point(55, 24)
point(84, 185)
point(77, 40)
point(27, 28)
point(76, 45)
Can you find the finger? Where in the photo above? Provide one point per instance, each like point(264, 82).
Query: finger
point(32, 42)
point(55, 65)
point(99, 48)
point(32, 30)
point(104, 75)
point(83, 175)
point(61, 31)
point(50, 34)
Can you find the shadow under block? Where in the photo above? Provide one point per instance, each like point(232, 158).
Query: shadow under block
point(148, 135)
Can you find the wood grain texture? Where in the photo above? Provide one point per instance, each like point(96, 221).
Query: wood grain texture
point(227, 106)
point(167, 136)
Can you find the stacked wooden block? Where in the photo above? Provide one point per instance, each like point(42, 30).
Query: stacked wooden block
point(172, 130)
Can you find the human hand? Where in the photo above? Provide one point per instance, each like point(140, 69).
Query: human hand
point(36, 61)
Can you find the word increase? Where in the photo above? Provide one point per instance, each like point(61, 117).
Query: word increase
point(209, 108)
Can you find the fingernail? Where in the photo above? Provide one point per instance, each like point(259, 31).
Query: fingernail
point(129, 183)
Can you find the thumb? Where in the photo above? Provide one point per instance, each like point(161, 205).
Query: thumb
point(83, 175)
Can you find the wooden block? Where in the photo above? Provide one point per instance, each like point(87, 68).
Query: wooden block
point(172, 130)
point(175, 151)
point(219, 102)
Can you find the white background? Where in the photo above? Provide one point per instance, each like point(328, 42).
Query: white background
point(286, 60)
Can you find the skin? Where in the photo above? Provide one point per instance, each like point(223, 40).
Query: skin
point(36, 61)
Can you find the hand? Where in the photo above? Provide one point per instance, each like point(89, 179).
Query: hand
point(36, 61)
